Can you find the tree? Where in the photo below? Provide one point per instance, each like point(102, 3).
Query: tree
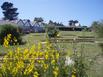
point(76, 21)
point(50, 22)
point(73, 22)
point(95, 26)
point(10, 13)
point(55, 23)
point(38, 19)
point(70, 22)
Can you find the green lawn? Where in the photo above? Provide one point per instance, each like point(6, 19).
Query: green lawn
point(76, 33)
point(90, 49)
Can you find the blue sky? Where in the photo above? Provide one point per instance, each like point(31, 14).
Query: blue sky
point(85, 11)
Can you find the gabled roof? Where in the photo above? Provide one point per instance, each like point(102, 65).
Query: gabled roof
point(27, 23)
point(20, 23)
point(38, 25)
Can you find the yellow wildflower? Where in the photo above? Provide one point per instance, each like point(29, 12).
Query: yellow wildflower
point(7, 40)
point(45, 66)
point(36, 74)
point(29, 69)
point(46, 56)
point(56, 71)
point(53, 62)
point(57, 55)
point(73, 75)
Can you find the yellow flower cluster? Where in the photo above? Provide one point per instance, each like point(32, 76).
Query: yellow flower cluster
point(56, 71)
point(7, 40)
point(36, 74)
point(31, 62)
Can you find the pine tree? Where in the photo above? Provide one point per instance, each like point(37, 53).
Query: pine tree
point(10, 13)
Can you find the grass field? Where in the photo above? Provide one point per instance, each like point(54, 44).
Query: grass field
point(89, 49)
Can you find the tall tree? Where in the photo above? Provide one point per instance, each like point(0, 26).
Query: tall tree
point(10, 13)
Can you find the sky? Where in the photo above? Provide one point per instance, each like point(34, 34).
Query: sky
point(85, 11)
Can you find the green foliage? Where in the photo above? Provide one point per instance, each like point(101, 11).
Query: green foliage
point(81, 66)
point(97, 27)
point(9, 11)
point(52, 31)
point(55, 23)
point(10, 29)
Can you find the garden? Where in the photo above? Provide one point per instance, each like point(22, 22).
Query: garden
point(51, 54)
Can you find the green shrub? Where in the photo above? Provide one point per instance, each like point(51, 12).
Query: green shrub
point(10, 29)
point(38, 61)
point(97, 27)
point(52, 31)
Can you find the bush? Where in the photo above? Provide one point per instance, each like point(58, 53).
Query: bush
point(97, 27)
point(38, 61)
point(10, 29)
point(52, 31)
